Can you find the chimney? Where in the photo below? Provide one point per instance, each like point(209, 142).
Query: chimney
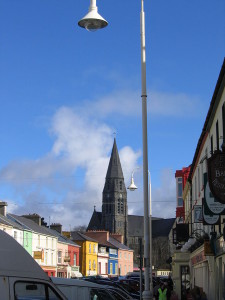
point(34, 217)
point(118, 237)
point(3, 208)
point(57, 227)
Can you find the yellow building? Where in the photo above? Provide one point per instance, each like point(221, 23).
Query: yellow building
point(88, 253)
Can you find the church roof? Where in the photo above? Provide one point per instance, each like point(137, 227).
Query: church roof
point(95, 222)
point(114, 168)
point(160, 227)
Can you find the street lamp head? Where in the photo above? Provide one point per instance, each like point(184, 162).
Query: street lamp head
point(132, 186)
point(93, 21)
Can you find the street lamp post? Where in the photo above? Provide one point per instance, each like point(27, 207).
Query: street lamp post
point(93, 21)
point(133, 187)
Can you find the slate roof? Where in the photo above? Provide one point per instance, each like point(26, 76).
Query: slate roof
point(29, 224)
point(95, 222)
point(78, 236)
point(118, 245)
point(6, 221)
point(104, 242)
point(62, 238)
point(160, 226)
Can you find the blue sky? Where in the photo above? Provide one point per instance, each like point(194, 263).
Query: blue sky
point(65, 91)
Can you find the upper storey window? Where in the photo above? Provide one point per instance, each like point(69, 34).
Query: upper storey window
point(179, 192)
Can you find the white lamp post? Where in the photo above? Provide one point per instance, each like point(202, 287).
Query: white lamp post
point(93, 21)
point(133, 187)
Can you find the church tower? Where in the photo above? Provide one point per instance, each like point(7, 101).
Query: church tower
point(114, 198)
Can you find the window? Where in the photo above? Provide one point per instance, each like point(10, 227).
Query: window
point(195, 188)
point(121, 206)
point(99, 268)
point(33, 290)
point(94, 265)
point(217, 135)
point(46, 242)
point(59, 257)
point(211, 144)
point(26, 238)
point(179, 191)
point(121, 185)
point(100, 294)
point(116, 268)
point(74, 259)
point(15, 235)
point(94, 250)
point(198, 181)
point(39, 240)
point(223, 120)
point(106, 268)
point(52, 243)
point(46, 258)
point(90, 248)
point(52, 259)
point(89, 264)
point(112, 251)
point(118, 206)
point(111, 269)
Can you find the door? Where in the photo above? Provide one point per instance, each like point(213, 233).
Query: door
point(185, 281)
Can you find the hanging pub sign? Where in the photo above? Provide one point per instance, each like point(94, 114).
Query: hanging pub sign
point(209, 218)
point(216, 207)
point(216, 175)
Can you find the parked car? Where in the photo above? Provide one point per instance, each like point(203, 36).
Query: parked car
point(21, 277)
point(75, 289)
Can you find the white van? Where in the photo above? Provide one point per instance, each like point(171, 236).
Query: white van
point(83, 290)
point(21, 278)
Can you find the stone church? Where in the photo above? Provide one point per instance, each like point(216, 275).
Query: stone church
point(115, 219)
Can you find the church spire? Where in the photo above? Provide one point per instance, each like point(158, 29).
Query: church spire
point(114, 198)
point(114, 168)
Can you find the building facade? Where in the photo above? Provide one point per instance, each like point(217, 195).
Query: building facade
point(200, 255)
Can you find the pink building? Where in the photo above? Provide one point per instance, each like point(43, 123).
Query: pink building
point(125, 254)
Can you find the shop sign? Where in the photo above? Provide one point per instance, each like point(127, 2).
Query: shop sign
point(212, 208)
point(216, 175)
point(38, 254)
point(198, 258)
point(208, 217)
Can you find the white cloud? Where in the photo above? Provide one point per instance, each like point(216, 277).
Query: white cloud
point(164, 197)
point(65, 184)
point(175, 104)
point(128, 103)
